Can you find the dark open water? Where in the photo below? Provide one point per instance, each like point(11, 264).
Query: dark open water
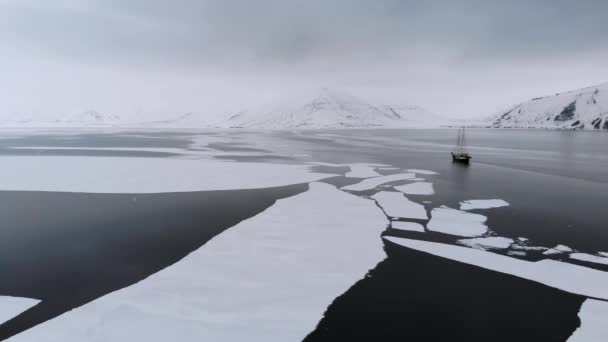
point(68, 249)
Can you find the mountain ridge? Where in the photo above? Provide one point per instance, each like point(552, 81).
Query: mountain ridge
point(585, 108)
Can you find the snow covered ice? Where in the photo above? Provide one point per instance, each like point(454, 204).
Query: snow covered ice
point(483, 204)
point(456, 222)
point(395, 204)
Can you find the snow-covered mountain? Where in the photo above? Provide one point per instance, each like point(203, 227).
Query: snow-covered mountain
point(187, 120)
point(579, 109)
point(331, 109)
point(89, 118)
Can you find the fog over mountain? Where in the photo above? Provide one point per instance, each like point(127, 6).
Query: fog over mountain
point(149, 60)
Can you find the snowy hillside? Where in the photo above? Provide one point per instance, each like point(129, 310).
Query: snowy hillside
point(580, 109)
point(331, 109)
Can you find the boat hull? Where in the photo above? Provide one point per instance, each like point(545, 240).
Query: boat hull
point(461, 158)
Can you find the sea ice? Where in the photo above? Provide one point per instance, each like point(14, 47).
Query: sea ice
point(417, 188)
point(493, 242)
point(456, 222)
point(422, 172)
point(269, 278)
point(362, 171)
point(593, 315)
point(11, 307)
point(589, 258)
point(372, 183)
point(395, 204)
point(559, 249)
point(409, 226)
point(144, 175)
point(483, 204)
point(571, 278)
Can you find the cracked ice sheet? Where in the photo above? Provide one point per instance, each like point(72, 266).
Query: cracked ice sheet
point(269, 278)
point(395, 204)
point(372, 183)
point(144, 175)
point(593, 315)
point(483, 204)
point(417, 188)
point(560, 275)
point(11, 307)
point(456, 222)
point(493, 242)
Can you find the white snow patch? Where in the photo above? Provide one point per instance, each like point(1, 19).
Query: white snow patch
point(417, 188)
point(493, 242)
point(144, 175)
point(589, 258)
point(423, 172)
point(372, 183)
point(269, 278)
point(362, 171)
point(593, 315)
point(604, 254)
point(11, 307)
point(456, 222)
point(483, 204)
point(395, 204)
point(409, 226)
point(560, 275)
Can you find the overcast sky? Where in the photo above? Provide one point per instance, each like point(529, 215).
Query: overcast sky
point(161, 58)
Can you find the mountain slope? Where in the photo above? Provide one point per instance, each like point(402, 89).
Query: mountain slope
point(579, 109)
point(330, 109)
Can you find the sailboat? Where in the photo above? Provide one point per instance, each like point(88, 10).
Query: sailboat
point(461, 155)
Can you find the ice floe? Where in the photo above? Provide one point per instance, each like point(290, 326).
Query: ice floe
point(423, 172)
point(457, 222)
point(362, 171)
point(395, 204)
point(493, 242)
point(409, 226)
point(417, 188)
point(11, 307)
point(269, 278)
point(559, 249)
point(594, 316)
point(144, 175)
point(528, 248)
point(589, 258)
point(483, 204)
point(372, 183)
point(564, 276)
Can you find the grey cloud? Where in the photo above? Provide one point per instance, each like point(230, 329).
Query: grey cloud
point(294, 31)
